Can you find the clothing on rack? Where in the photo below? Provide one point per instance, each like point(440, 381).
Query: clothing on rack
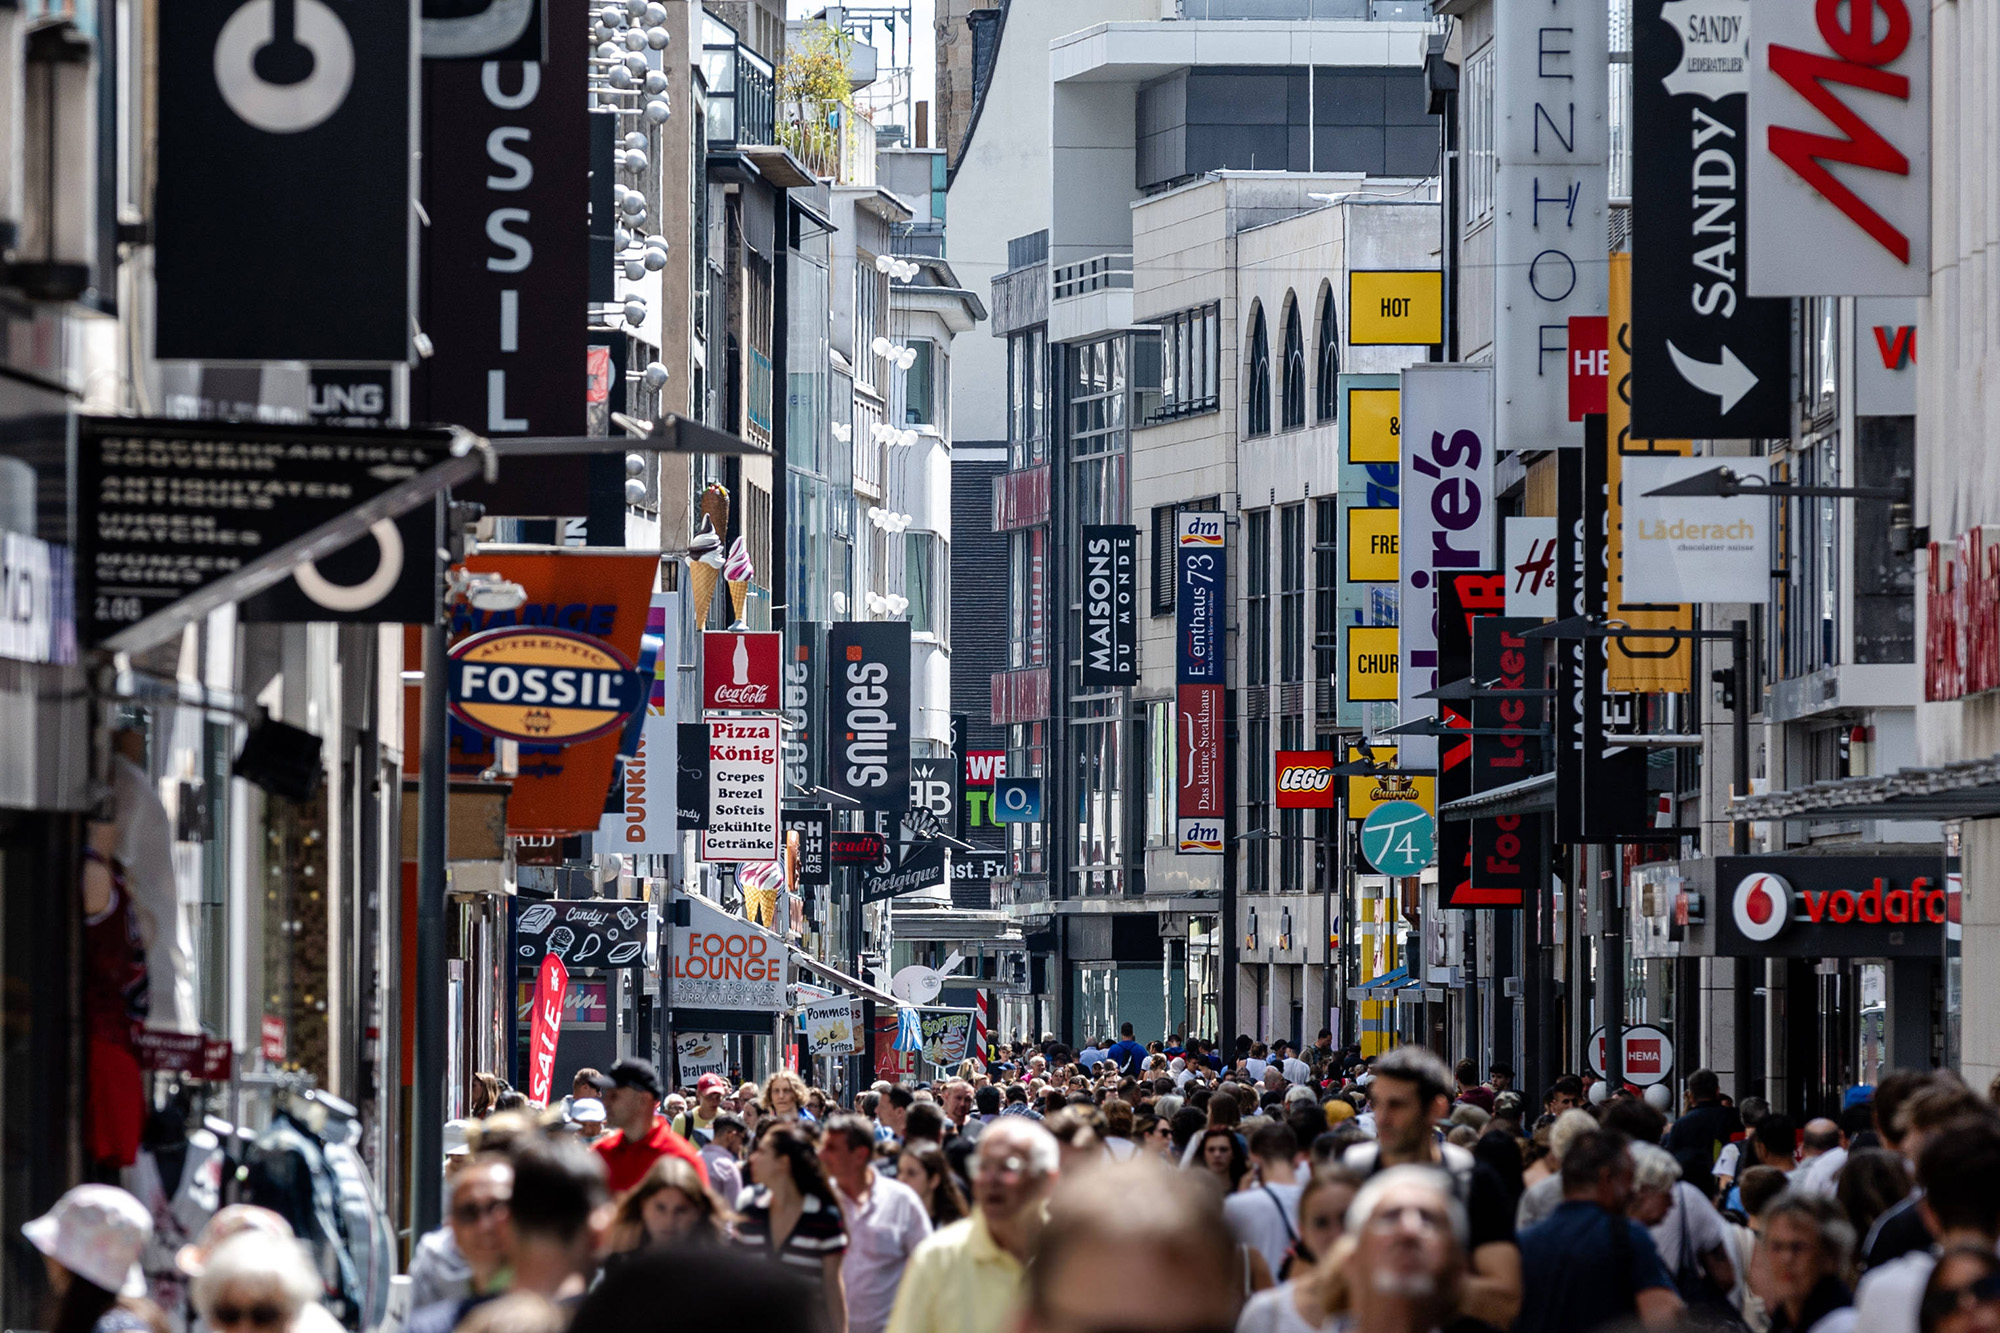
point(115, 1003)
point(145, 848)
point(179, 1180)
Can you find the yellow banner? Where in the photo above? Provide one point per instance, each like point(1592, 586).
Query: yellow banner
point(1371, 663)
point(1364, 794)
point(1374, 426)
point(1371, 545)
point(1395, 309)
point(1638, 664)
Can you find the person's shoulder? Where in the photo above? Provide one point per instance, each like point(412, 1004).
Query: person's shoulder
point(1896, 1282)
point(944, 1244)
point(608, 1142)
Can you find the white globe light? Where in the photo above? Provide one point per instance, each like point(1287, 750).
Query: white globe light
point(635, 312)
point(602, 33)
point(612, 16)
point(658, 38)
point(635, 40)
point(906, 357)
point(908, 438)
point(635, 491)
point(882, 263)
point(654, 261)
point(634, 160)
point(880, 346)
point(635, 63)
point(659, 110)
point(634, 270)
point(636, 8)
point(656, 14)
point(620, 77)
point(634, 464)
point(609, 49)
point(635, 139)
point(656, 81)
point(655, 375)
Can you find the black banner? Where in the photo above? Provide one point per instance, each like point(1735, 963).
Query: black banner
point(937, 788)
point(1707, 359)
point(166, 508)
point(691, 784)
point(1464, 597)
point(282, 220)
point(923, 868)
point(801, 693)
point(857, 847)
point(1506, 849)
point(868, 712)
point(506, 270)
point(589, 932)
point(1110, 577)
point(484, 30)
point(814, 828)
point(389, 577)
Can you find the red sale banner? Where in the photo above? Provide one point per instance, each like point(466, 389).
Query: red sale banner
point(551, 983)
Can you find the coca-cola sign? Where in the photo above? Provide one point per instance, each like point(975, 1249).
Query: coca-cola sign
point(739, 672)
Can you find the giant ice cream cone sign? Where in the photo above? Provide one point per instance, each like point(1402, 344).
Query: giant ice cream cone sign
point(739, 572)
point(705, 554)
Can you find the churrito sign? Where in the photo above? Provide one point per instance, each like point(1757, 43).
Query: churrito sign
point(724, 962)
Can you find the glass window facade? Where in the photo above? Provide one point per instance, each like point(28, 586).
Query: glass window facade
point(1257, 597)
point(1326, 397)
point(1190, 364)
point(1294, 379)
point(1257, 377)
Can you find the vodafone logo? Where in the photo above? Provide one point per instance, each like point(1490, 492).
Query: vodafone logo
point(1761, 906)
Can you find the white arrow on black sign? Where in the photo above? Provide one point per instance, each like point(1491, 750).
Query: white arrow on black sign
point(1728, 379)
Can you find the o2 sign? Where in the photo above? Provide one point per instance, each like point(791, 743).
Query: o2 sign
point(1017, 800)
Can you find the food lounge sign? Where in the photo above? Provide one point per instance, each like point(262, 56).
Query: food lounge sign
point(721, 961)
point(1830, 906)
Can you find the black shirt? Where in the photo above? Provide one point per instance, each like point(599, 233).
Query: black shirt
point(1583, 1268)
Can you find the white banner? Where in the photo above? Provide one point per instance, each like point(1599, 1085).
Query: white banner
point(1447, 519)
point(743, 789)
point(645, 824)
point(724, 962)
point(1551, 112)
point(1530, 565)
point(1840, 123)
point(1694, 548)
point(698, 1053)
point(831, 1027)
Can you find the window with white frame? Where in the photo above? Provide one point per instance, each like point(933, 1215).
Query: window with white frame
point(1480, 162)
point(1190, 363)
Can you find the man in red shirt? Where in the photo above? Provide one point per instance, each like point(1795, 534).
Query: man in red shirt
point(637, 1134)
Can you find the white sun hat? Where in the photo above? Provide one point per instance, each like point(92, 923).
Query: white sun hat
point(96, 1232)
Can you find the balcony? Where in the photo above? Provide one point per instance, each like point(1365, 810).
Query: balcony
point(1096, 274)
point(742, 90)
point(1090, 297)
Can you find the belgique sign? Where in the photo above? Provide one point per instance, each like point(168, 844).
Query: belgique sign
point(542, 686)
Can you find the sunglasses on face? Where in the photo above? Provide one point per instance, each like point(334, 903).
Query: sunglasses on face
point(1950, 1300)
point(260, 1315)
point(472, 1214)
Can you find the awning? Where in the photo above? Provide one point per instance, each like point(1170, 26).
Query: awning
point(1526, 797)
point(1379, 987)
point(935, 925)
point(1965, 790)
point(841, 979)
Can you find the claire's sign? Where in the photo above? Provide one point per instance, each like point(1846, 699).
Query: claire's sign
point(542, 686)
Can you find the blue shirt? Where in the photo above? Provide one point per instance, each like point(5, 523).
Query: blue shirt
point(1089, 1056)
point(1576, 1275)
point(1129, 1055)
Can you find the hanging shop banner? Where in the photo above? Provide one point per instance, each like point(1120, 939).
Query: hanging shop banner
point(484, 30)
point(1708, 360)
point(1589, 365)
point(1017, 800)
point(166, 508)
point(1304, 780)
point(1449, 518)
point(691, 776)
point(1640, 664)
point(388, 577)
point(505, 261)
point(1198, 766)
point(925, 867)
point(646, 822)
point(1371, 433)
point(1529, 561)
point(832, 1027)
point(1840, 179)
point(857, 847)
point(1600, 782)
point(1827, 906)
point(804, 694)
point(1696, 548)
point(282, 226)
point(724, 962)
point(1395, 308)
point(740, 672)
point(1506, 849)
point(1201, 552)
point(1551, 142)
point(947, 1035)
point(1110, 575)
point(583, 932)
point(1367, 791)
point(743, 790)
point(602, 594)
point(543, 686)
point(545, 1029)
point(937, 788)
point(698, 1053)
point(868, 712)
point(37, 600)
point(1464, 598)
point(813, 831)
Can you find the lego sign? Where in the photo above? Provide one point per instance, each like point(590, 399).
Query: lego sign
point(1305, 780)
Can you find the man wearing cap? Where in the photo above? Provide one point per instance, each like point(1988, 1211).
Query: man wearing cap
point(697, 1123)
point(639, 1135)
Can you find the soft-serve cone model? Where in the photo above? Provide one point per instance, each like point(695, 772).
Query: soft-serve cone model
point(704, 569)
point(739, 572)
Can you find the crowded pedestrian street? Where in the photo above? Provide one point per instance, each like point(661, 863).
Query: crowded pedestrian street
point(1155, 666)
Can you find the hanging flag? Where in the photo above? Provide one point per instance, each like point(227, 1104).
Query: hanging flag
point(551, 984)
point(909, 1031)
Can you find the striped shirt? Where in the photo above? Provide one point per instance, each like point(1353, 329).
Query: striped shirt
point(820, 1232)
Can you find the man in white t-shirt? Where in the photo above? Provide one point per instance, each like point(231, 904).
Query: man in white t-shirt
point(1265, 1215)
point(1256, 1064)
point(1959, 1172)
point(1824, 1153)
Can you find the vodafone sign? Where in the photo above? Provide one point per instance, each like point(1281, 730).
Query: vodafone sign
point(1305, 780)
point(1826, 906)
point(1839, 150)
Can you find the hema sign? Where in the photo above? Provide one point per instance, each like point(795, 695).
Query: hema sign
point(1840, 177)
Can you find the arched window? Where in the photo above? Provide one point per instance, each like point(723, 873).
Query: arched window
point(1257, 404)
point(1294, 411)
point(1327, 407)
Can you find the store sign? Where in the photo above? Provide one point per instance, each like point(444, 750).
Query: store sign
point(1373, 668)
point(1449, 516)
point(1507, 850)
point(281, 215)
point(1530, 565)
point(1368, 791)
point(857, 848)
point(947, 1035)
point(804, 693)
point(739, 671)
point(1649, 1055)
point(545, 1029)
point(1017, 800)
point(937, 787)
point(1589, 365)
point(1304, 780)
point(1831, 906)
point(1708, 359)
point(721, 961)
point(1395, 309)
point(1398, 841)
point(37, 600)
point(645, 822)
point(698, 1053)
point(691, 776)
point(388, 577)
point(1201, 551)
point(543, 686)
point(1962, 616)
point(1110, 575)
point(1840, 178)
point(1372, 552)
point(808, 834)
point(1199, 759)
point(925, 867)
point(1551, 142)
point(868, 712)
point(743, 790)
point(1693, 548)
point(583, 932)
point(1464, 599)
point(191, 1054)
point(1365, 590)
point(832, 1027)
point(166, 508)
point(506, 157)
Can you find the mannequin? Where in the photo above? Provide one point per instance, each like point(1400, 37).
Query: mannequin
point(145, 848)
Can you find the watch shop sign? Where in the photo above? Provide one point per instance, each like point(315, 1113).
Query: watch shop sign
point(1840, 180)
point(1830, 906)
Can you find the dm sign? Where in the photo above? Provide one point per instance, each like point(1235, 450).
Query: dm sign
point(543, 686)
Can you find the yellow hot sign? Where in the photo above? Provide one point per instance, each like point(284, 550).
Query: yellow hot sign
point(1395, 309)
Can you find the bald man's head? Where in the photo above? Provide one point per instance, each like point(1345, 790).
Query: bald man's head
point(1822, 1136)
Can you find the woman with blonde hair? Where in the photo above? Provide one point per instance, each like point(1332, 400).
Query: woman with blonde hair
point(671, 1205)
point(258, 1283)
point(784, 1098)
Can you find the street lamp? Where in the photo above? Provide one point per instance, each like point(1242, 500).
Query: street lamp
point(1225, 999)
point(1725, 483)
